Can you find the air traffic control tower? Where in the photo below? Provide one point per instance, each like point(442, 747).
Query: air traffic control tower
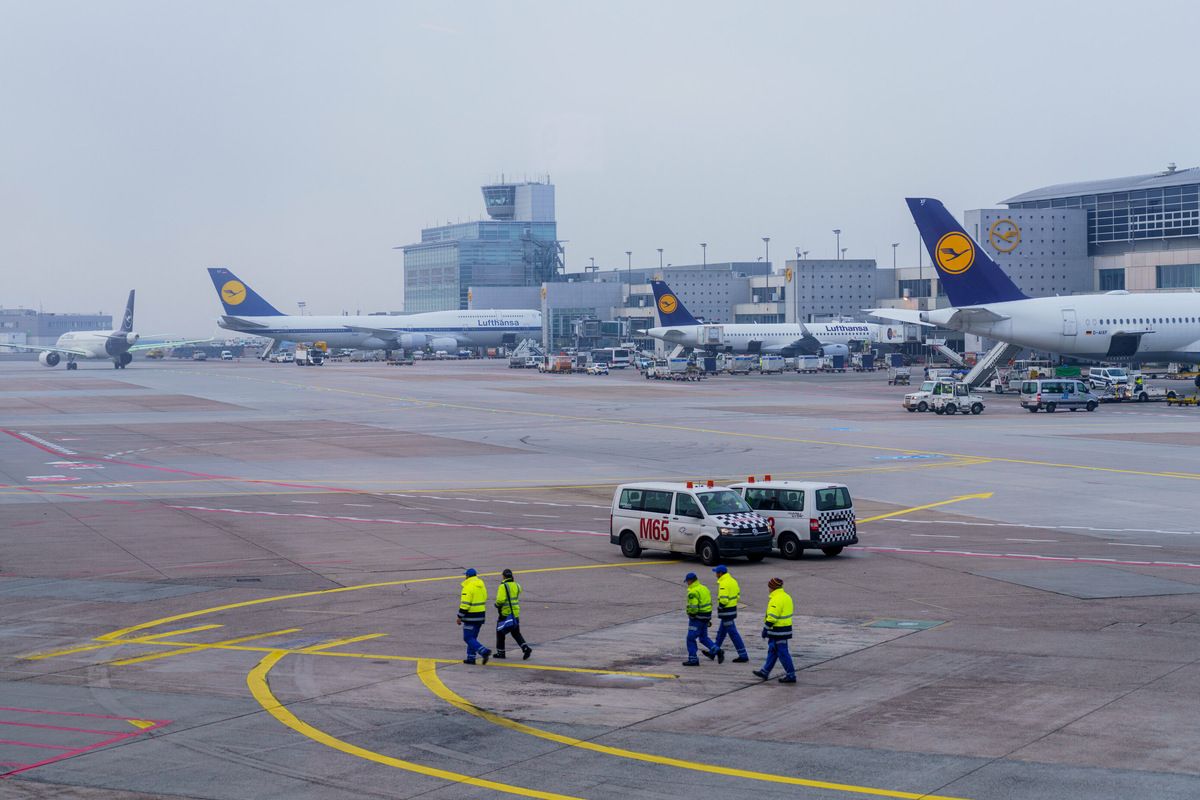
point(516, 246)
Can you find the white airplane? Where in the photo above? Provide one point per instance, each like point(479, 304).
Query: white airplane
point(1114, 326)
point(117, 346)
point(247, 312)
point(679, 327)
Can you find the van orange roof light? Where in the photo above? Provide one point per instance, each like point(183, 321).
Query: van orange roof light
point(710, 484)
point(750, 479)
point(766, 477)
point(689, 484)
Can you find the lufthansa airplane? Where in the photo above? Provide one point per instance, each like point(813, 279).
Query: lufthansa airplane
point(679, 327)
point(1115, 326)
point(117, 346)
point(247, 312)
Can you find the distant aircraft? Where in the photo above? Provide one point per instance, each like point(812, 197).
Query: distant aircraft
point(679, 327)
point(117, 345)
point(247, 312)
point(1115, 326)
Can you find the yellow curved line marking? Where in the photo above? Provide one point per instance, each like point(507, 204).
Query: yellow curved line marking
point(257, 681)
point(428, 672)
point(983, 496)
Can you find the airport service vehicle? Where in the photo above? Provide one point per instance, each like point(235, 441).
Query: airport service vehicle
point(308, 357)
point(898, 376)
point(615, 357)
point(1102, 377)
point(226, 355)
point(713, 522)
point(559, 363)
point(1115, 326)
point(803, 515)
point(199, 355)
point(957, 398)
point(1055, 393)
point(920, 399)
point(808, 363)
point(1010, 379)
point(769, 364)
point(597, 369)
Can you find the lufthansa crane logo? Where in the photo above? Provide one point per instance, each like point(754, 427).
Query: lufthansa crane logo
point(667, 303)
point(233, 292)
point(954, 253)
point(1004, 235)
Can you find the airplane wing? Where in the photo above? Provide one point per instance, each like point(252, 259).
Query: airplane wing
point(242, 324)
point(68, 350)
point(910, 316)
point(806, 344)
point(378, 333)
point(154, 345)
point(976, 316)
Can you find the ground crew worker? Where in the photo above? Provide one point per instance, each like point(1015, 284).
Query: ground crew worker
point(1138, 383)
point(508, 597)
point(472, 613)
point(727, 603)
point(699, 611)
point(777, 629)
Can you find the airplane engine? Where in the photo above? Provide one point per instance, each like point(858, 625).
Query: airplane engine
point(446, 343)
point(49, 359)
point(127, 357)
point(834, 350)
point(412, 341)
point(131, 338)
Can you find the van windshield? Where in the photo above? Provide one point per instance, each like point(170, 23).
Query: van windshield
point(725, 501)
point(833, 498)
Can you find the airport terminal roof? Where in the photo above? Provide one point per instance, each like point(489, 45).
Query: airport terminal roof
point(1170, 177)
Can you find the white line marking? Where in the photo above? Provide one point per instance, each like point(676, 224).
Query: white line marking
point(1032, 540)
point(1130, 544)
point(936, 535)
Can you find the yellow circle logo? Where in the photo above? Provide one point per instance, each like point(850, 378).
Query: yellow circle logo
point(787, 274)
point(233, 292)
point(543, 292)
point(955, 253)
point(1004, 235)
point(667, 303)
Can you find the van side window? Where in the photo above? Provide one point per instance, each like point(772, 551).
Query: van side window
point(631, 499)
point(761, 499)
point(686, 506)
point(791, 500)
point(834, 498)
point(657, 502)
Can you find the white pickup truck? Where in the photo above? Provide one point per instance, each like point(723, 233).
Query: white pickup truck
point(959, 399)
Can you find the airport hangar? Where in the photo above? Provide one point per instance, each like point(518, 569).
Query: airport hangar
point(1139, 233)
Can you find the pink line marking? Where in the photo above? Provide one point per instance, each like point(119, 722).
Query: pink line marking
point(35, 744)
point(19, 524)
point(69, 751)
point(1067, 559)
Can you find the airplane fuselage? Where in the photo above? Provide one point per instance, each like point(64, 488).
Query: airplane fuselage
point(1103, 327)
point(97, 344)
point(449, 328)
point(778, 337)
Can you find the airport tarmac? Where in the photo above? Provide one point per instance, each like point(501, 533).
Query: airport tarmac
point(234, 579)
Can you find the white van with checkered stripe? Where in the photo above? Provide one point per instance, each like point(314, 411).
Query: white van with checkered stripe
point(803, 514)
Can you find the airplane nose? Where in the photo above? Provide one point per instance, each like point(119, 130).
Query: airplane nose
point(131, 338)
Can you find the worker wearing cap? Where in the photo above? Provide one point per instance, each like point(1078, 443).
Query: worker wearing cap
point(728, 594)
point(508, 605)
point(699, 611)
point(472, 613)
point(777, 629)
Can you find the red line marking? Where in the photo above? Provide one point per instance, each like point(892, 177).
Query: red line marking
point(19, 524)
point(111, 736)
point(35, 744)
point(1068, 559)
point(53, 727)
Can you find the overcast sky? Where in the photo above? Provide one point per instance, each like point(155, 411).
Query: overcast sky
point(298, 143)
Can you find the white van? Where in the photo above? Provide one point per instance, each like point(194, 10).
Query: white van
point(1106, 377)
point(1055, 393)
point(713, 522)
point(226, 355)
point(803, 514)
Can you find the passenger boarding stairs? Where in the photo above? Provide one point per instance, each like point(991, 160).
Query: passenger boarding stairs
point(986, 367)
point(527, 347)
point(951, 356)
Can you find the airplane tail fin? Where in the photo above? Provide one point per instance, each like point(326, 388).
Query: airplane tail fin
point(238, 298)
point(670, 307)
point(969, 276)
point(127, 320)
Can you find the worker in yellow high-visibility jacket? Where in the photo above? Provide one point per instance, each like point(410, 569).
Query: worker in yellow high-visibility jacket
point(472, 613)
point(777, 629)
point(728, 595)
point(699, 611)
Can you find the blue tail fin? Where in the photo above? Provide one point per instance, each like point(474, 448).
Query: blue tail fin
point(127, 320)
point(969, 276)
point(238, 298)
point(670, 308)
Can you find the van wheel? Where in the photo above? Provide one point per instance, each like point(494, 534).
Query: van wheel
point(1143, 397)
point(1033, 409)
point(1050, 408)
point(922, 406)
point(708, 552)
point(754, 558)
point(1091, 406)
point(789, 546)
point(629, 545)
point(951, 409)
point(832, 551)
point(977, 408)
point(912, 410)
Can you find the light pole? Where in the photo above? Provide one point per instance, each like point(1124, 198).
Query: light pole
point(894, 246)
point(629, 296)
point(767, 244)
point(660, 259)
point(302, 304)
point(844, 249)
point(704, 252)
point(838, 233)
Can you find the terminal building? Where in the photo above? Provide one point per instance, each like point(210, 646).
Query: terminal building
point(27, 326)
